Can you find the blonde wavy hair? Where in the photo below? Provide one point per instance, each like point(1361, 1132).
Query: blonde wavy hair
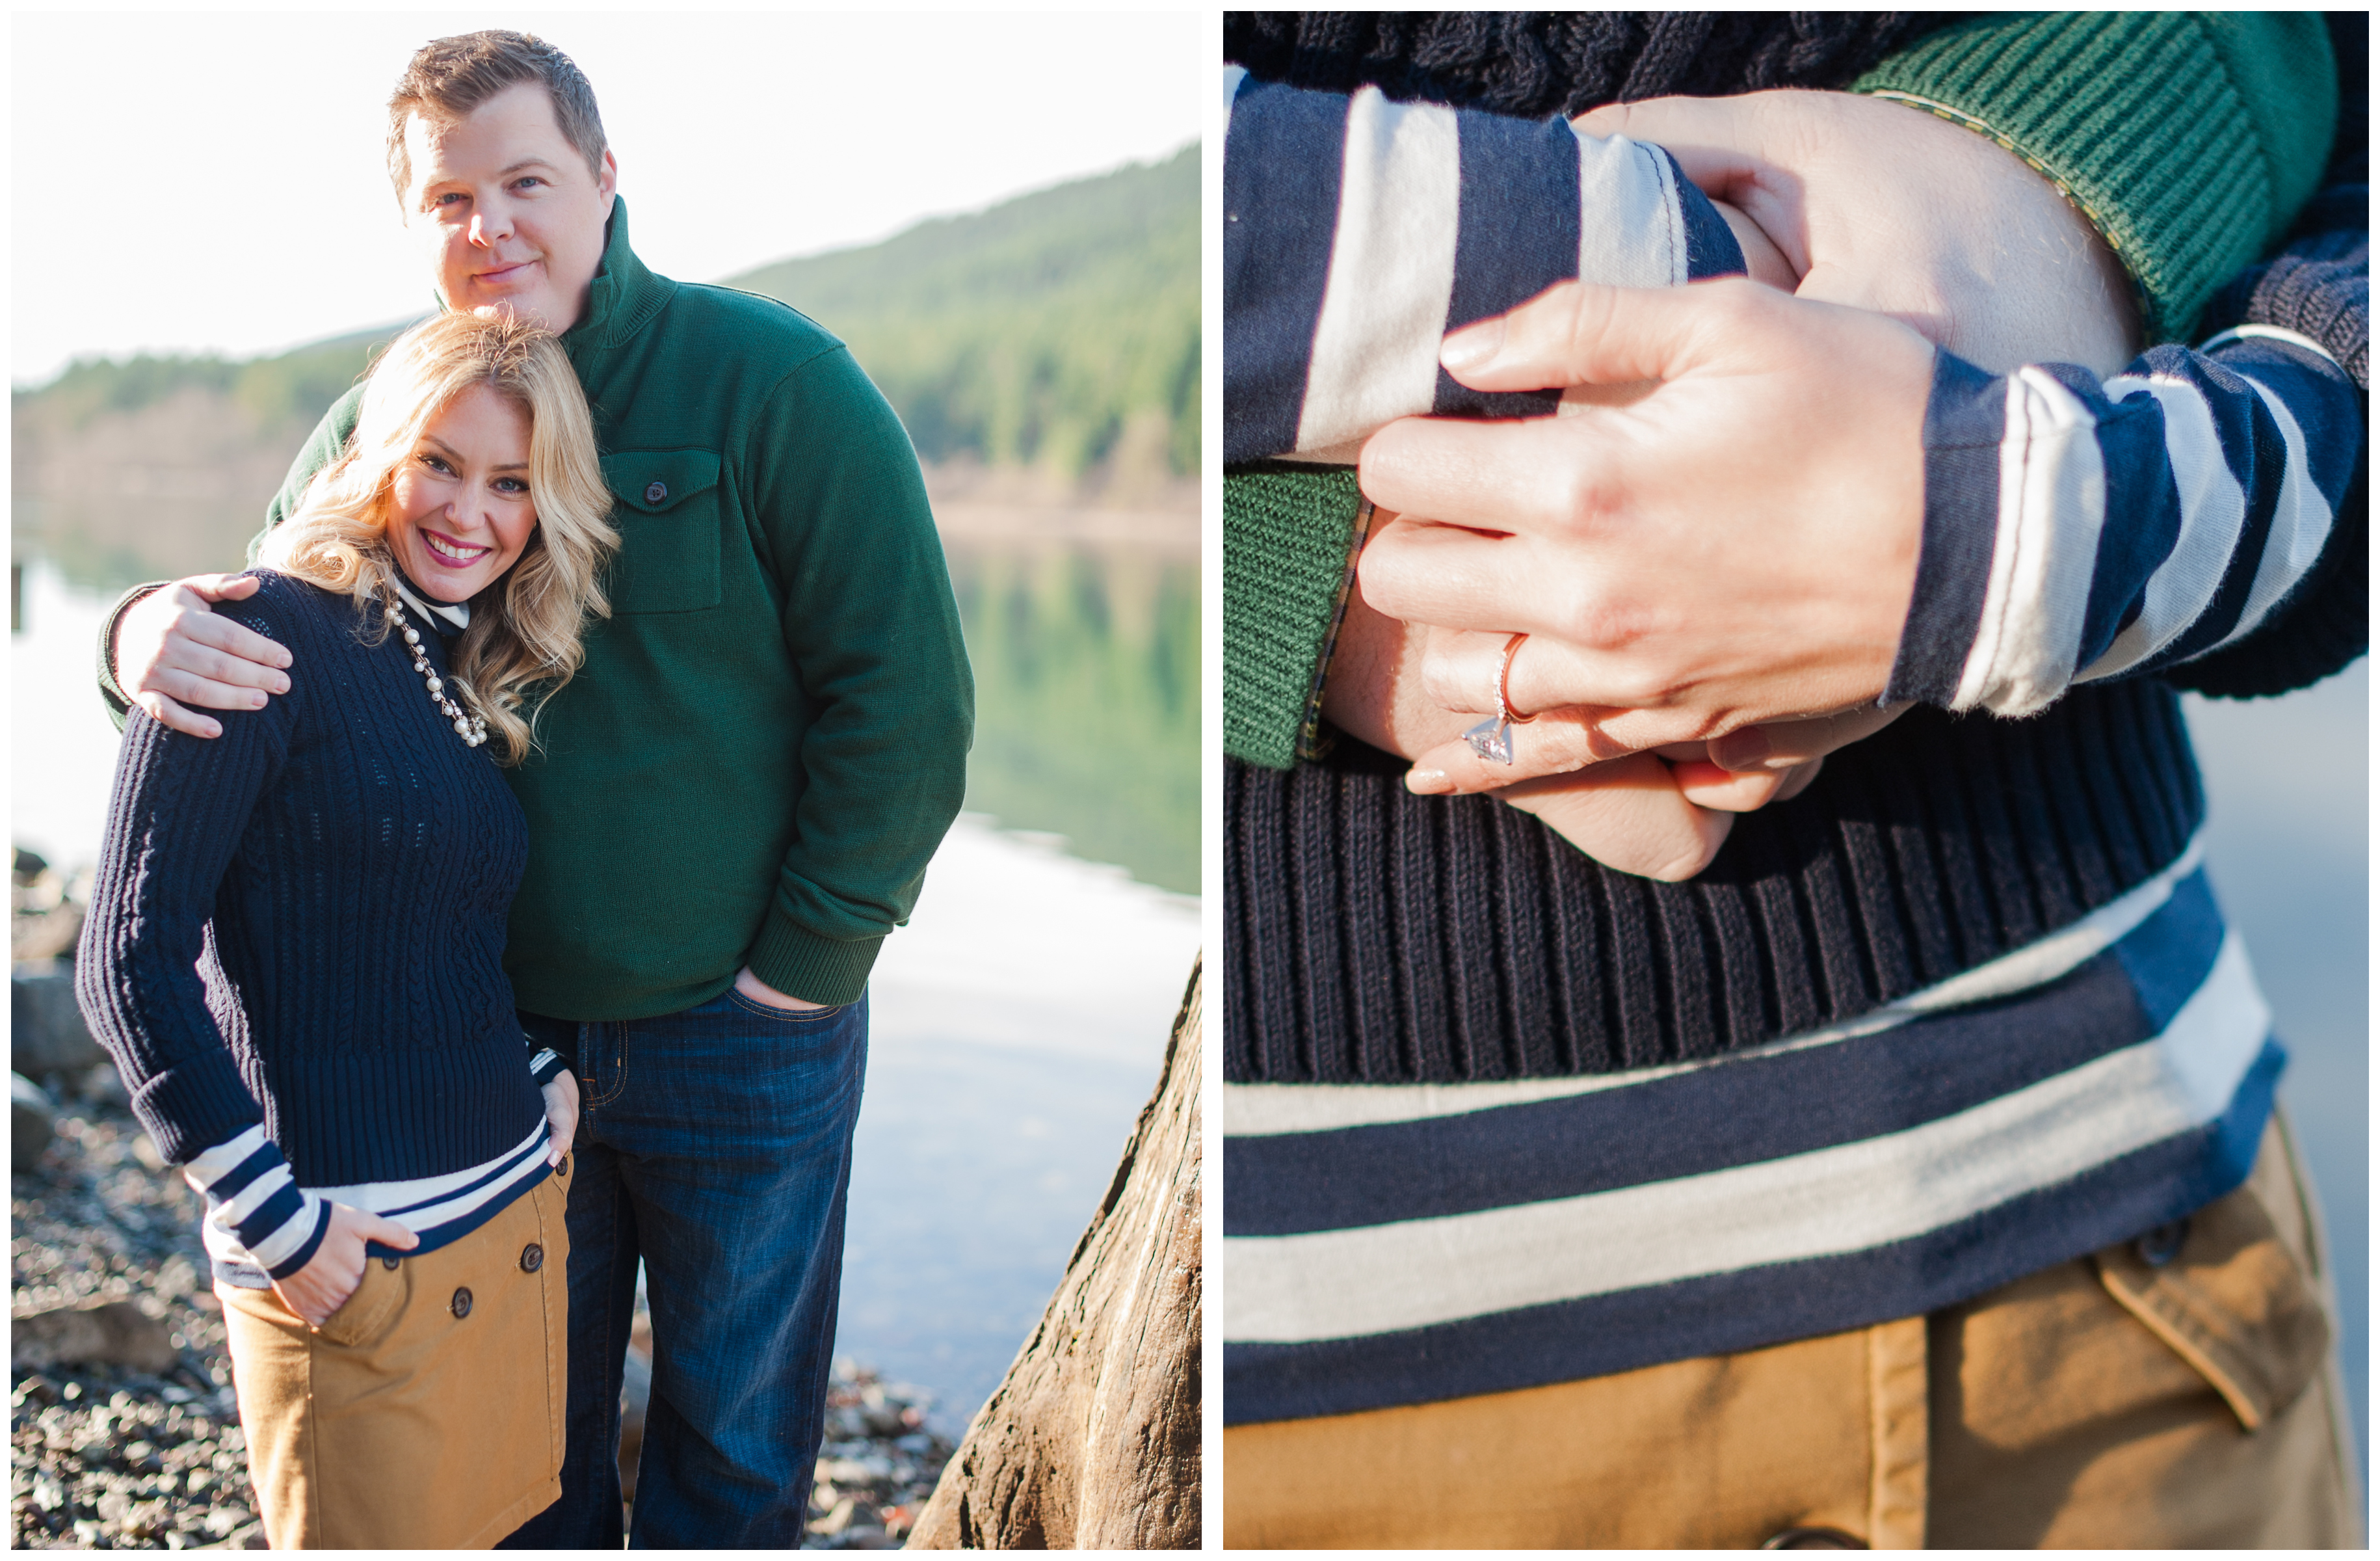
point(512, 658)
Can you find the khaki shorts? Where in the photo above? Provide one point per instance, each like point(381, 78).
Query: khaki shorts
point(2141, 1397)
point(414, 1419)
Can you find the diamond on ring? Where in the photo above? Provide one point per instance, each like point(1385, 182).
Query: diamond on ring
point(1491, 739)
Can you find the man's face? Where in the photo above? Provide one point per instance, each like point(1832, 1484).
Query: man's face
point(506, 209)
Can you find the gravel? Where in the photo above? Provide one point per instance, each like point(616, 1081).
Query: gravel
point(107, 1457)
point(111, 1459)
point(878, 1463)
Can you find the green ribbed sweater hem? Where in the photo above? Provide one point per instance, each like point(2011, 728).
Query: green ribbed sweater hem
point(2186, 192)
point(1285, 536)
point(819, 970)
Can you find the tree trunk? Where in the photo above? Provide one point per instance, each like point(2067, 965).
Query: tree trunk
point(1092, 1439)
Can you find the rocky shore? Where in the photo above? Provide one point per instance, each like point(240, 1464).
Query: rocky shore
point(124, 1428)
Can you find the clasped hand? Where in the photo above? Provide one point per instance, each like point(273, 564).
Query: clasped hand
point(1724, 555)
point(1712, 551)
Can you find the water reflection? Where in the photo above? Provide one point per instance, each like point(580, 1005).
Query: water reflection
point(1086, 661)
point(1086, 698)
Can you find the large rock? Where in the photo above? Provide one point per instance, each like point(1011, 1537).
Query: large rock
point(1091, 1441)
point(111, 1333)
point(32, 1122)
point(46, 1031)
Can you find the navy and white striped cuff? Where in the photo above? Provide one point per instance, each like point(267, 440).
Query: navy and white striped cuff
point(254, 1204)
point(2076, 531)
point(440, 1208)
point(1359, 231)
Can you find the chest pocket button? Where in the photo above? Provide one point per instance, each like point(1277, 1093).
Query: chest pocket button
point(657, 493)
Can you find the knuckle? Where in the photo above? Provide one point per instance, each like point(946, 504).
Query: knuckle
point(1437, 683)
point(1736, 307)
point(1443, 679)
point(1636, 688)
point(1587, 616)
point(1602, 746)
point(1573, 745)
point(1575, 499)
point(1375, 567)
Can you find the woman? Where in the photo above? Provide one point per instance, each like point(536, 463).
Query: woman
point(295, 955)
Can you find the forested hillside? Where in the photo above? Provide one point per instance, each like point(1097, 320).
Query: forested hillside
point(1058, 331)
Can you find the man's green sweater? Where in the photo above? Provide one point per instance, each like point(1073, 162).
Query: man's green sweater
point(768, 738)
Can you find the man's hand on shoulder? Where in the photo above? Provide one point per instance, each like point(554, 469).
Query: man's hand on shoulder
point(171, 651)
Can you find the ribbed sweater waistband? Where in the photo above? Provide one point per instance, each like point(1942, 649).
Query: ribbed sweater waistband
point(1375, 936)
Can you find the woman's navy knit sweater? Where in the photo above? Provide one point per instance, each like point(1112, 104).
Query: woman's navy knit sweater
point(296, 942)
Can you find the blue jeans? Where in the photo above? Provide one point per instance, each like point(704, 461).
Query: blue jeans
point(716, 1145)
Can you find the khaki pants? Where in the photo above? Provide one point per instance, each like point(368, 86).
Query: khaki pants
point(2141, 1397)
point(413, 1420)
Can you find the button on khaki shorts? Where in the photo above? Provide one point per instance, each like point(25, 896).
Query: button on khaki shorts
point(426, 1412)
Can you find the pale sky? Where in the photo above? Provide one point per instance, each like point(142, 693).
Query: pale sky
point(188, 182)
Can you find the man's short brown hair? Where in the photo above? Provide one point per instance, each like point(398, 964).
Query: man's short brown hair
point(448, 78)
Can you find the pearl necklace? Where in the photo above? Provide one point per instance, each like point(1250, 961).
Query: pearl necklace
point(472, 728)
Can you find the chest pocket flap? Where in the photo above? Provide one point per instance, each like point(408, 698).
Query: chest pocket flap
point(669, 520)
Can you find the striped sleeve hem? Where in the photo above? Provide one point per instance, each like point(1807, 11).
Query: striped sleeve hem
point(546, 1066)
point(438, 1209)
point(255, 1203)
point(2076, 531)
point(1359, 231)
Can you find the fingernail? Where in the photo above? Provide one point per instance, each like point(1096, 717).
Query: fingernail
point(1473, 345)
point(1739, 750)
point(256, 701)
point(281, 685)
point(1428, 783)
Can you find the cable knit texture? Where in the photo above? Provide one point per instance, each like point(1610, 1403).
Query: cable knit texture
point(1536, 63)
point(302, 921)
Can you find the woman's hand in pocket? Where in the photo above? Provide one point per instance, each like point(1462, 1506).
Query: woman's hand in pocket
point(337, 1267)
point(561, 1115)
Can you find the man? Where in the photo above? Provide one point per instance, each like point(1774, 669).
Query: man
point(735, 803)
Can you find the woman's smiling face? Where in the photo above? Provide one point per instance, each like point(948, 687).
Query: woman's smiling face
point(459, 508)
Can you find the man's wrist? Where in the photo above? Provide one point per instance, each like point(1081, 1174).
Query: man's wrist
point(828, 971)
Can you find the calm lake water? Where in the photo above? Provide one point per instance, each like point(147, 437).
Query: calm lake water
point(1018, 1020)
